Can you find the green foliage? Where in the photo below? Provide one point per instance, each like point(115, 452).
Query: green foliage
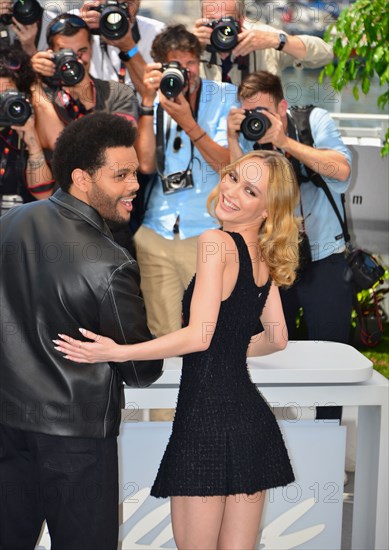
point(359, 39)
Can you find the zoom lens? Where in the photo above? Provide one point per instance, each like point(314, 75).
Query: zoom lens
point(68, 69)
point(14, 109)
point(255, 125)
point(174, 79)
point(114, 22)
point(27, 12)
point(224, 36)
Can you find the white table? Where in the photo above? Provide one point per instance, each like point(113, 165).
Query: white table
point(314, 374)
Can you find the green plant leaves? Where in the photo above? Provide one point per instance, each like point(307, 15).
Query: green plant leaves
point(359, 41)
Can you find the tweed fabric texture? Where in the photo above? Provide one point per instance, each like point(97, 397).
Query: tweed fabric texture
point(225, 439)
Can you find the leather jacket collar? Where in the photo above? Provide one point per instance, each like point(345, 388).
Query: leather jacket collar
point(89, 214)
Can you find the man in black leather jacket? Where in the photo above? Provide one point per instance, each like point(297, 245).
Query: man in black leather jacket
point(61, 270)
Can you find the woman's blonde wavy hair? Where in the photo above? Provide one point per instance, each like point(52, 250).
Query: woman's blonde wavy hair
point(279, 234)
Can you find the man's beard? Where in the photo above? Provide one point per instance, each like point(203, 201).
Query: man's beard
point(106, 206)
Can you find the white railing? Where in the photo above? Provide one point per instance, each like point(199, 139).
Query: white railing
point(368, 126)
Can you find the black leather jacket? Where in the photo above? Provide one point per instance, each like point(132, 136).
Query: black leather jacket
point(60, 270)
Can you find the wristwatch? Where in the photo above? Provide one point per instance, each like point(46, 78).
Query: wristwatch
point(283, 38)
point(126, 56)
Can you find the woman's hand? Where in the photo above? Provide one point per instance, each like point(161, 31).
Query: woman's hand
point(102, 349)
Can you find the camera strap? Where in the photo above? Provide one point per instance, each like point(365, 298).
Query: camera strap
point(162, 138)
point(301, 131)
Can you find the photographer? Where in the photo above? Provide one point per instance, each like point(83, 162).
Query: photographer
point(120, 58)
point(82, 93)
point(23, 22)
point(24, 173)
point(184, 140)
point(321, 291)
point(244, 46)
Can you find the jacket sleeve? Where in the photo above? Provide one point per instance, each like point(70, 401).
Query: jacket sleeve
point(319, 53)
point(123, 318)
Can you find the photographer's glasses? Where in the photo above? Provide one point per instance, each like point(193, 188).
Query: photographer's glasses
point(73, 21)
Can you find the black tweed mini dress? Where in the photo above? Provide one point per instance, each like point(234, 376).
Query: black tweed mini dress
point(225, 438)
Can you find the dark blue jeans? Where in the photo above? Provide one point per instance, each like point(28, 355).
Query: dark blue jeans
point(326, 300)
point(71, 482)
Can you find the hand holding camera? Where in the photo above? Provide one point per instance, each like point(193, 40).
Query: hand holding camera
point(59, 69)
point(15, 109)
point(25, 12)
point(218, 35)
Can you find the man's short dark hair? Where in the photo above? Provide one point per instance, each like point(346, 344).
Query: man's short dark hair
point(174, 38)
point(261, 82)
point(83, 143)
point(66, 24)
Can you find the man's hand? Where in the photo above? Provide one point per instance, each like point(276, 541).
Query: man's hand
point(234, 120)
point(202, 32)
point(179, 110)
point(90, 15)
point(254, 39)
point(26, 35)
point(151, 80)
point(276, 133)
point(43, 64)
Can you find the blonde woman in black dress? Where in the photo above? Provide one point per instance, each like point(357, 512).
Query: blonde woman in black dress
point(225, 449)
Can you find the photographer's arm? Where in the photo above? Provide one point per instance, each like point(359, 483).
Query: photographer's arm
point(145, 144)
point(213, 153)
point(328, 162)
point(39, 179)
point(47, 122)
point(234, 120)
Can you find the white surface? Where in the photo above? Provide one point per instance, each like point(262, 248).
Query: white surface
point(298, 363)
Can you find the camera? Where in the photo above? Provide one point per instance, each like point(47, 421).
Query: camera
point(25, 12)
point(255, 124)
point(174, 79)
point(68, 69)
point(15, 110)
point(224, 36)
point(178, 181)
point(114, 19)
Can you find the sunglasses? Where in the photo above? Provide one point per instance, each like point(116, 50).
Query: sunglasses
point(73, 21)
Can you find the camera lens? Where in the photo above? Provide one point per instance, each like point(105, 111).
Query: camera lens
point(255, 125)
point(114, 22)
point(27, 12)
point(14, 109)
point(69, 70)
point(173, 82)
point(224, 36)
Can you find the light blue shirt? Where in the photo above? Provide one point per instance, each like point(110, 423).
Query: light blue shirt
point(216, 100)
point(321, 223)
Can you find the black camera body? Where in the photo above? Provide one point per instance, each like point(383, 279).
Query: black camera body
point(174, 79)
point(69, 71)
point(114, 20)
point(224, 36)
point(25, 12)
point(178, 181)
point(255, 124)
point(15, 110)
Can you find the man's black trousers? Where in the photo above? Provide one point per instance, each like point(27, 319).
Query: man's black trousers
point(72, 483)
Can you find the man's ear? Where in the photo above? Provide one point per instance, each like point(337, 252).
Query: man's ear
point(282, 107)
point(81, 180)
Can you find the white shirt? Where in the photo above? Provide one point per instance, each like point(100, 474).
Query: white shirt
point(105, 63)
